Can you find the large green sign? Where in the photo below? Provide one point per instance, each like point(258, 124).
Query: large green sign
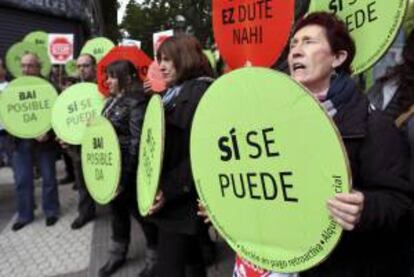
point(39, 38)
point(74, 109)
point(26, 106)
point(372, 24)
point(151, 152)
point(265, 159)
point(17, 50)
point(97, 47)
point(101, 160)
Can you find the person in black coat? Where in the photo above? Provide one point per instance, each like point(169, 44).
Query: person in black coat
point(125, 109)
point(394, 95)
point(188, 74)
point(374, 214)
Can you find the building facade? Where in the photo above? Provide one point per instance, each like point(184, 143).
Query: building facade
point(83, 18)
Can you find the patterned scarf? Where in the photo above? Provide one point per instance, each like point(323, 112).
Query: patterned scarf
point(340, 92)
point(171, 94)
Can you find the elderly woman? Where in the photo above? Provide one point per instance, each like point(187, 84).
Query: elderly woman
point(374, 213)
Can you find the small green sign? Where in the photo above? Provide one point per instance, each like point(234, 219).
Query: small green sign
point(39, 38)
point(70, 68)
point(101, 160)
point(265, 158)
point(151, 153)
point(74, 108)
point(372, 24)
point(17, 50)
point(97, 47)
point(26, 106)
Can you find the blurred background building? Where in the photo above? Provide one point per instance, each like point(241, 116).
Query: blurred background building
point(83, 18)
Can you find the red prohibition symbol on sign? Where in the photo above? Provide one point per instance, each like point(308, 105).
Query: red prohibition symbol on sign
point(61, 49)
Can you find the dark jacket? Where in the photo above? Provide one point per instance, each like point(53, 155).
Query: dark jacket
point(126, 113)
point(378, 162)
point(180, 211)
point(393, 110)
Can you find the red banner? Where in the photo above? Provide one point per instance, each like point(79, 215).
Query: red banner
point(156, 78)
point(130, 53)
point(252, 32)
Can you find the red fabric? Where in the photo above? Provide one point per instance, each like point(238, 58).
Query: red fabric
point(244, 268)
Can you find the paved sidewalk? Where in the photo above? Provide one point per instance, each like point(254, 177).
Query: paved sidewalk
point(57, 251)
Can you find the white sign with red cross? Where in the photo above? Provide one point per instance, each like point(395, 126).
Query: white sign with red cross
point(60, 48)
point(159, 37)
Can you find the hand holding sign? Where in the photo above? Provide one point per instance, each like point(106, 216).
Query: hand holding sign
point(346, 208)
point(202, 212)
point(42, 138)
point(159, 202)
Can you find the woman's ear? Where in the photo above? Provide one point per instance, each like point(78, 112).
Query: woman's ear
point(339, 58)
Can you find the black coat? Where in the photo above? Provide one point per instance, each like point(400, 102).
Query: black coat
point(394, 109)
point(379, 169)
point(180, 211)
point(126, 113)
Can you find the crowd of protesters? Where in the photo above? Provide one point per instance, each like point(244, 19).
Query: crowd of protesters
point(378, 133)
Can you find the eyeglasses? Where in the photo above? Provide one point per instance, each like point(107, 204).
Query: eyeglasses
point(83, 65)
point(28, 65)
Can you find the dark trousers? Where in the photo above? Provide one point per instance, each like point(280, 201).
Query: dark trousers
point(123, 206)
point(178, 252)
point(5, 150)
point(86, 204)
point(69, 166)
point(23, 157)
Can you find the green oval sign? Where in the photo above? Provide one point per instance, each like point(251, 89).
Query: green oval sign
point(26, 106)
point(151, 151)
point(17, 50)
point(74, 108)
point(372, 24)
point(70, 68)
point(265, 159)
point(97, 47)
point(101, 160)
point(39, 38)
